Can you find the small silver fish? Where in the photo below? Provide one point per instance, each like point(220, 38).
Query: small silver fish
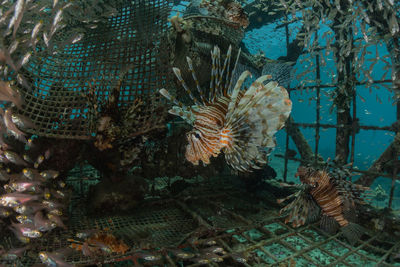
point(27, 230)
point(42, 224)
point(148, 256)
point(15, 199)
point(12, 128)
point(57, 220)
point(51, 204)
point(50, 174)
point(28, 209)
point(55, 212)
point(24, 218)
point(19, 12)
point(53, 259)
point(39, 161)
point(32, 174)
point(14, 158)
point(35, 31)
point(183, 254)
point(22, 186)
point(24, 59)
point(13, 47)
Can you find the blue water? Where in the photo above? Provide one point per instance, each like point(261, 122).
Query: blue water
point(375, 106)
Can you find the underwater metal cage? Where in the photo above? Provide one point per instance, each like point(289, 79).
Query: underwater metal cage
point(216, 209)
point(127, 46)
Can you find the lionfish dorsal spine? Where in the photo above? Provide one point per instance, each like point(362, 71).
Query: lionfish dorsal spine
point(184, 85)
point(231, 75)
point(226, 68)
point(223, 69)
point(235, 92)
point(190, 64)
point(214, 73)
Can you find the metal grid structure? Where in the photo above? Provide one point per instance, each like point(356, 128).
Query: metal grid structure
point(353, 128)
point(128, 43)
point(241, 226)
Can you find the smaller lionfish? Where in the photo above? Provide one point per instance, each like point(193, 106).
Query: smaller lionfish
point(241, 123)
point(322, 196)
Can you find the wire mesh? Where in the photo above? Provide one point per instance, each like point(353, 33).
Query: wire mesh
point(239, 224)
point(129, 43)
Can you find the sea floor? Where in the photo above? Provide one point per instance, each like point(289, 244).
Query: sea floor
point(216, 209)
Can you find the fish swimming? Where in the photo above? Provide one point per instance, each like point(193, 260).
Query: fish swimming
point(241, 123)
point(53, 259)
point(323, 196)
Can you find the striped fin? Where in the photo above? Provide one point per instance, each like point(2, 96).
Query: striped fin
point(254, 119)
point(235, 92)
point(179, 76)
point(187, 115)
point(227, 64)
point(229, 87)
point(302, 209)
point(217, 52)
point(213, 74)
point(190, 64)
point(180, 109)
point(251, 96)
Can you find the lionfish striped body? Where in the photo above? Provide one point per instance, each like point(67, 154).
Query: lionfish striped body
point(325, 193)
point(239, 123)
point(322, 196)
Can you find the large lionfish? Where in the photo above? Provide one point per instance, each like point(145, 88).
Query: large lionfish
point(241, 123)
point(322, 196)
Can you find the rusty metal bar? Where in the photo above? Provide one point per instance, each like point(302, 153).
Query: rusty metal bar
point(354, 125)
point(351, 169)
point(318, 115)
point(395, 164)
point(335, 85)
point(285, 168)
point(363, 127)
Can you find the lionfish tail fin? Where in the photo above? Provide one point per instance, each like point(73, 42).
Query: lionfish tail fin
point(353, 232)
point(329, 224)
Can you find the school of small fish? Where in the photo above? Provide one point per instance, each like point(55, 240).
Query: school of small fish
point(353, 34)
point(31, 200)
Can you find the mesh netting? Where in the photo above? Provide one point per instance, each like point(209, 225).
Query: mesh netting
point(236, 220)
point(128, 42)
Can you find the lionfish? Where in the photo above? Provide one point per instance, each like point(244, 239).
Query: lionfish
point(322, 196)
point(242, 123)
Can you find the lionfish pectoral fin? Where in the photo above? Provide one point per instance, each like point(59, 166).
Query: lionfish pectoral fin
point(186, 115)
point(352, 232)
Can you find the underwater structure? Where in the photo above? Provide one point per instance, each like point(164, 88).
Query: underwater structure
point(199, 133)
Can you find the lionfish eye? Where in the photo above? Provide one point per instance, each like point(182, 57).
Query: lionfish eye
point(196, 135)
